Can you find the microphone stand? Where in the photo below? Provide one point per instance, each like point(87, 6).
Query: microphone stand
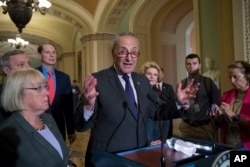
point(210, 136)
point(158, 105)
point(204, 130)
point(163, 159)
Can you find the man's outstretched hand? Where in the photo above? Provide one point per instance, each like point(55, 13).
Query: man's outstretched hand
point(187, 93)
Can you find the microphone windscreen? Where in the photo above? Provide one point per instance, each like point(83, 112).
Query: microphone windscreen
point(125, 104)
point(152, 97)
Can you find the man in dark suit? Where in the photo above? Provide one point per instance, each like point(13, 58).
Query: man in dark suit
point(61, 106)
point(118, 119)
point(167, 92)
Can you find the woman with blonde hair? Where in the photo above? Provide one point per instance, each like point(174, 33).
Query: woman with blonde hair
point(157, 131)
point(29, 137)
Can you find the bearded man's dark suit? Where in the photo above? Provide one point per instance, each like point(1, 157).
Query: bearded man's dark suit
point(62, 107)
point(114, 127)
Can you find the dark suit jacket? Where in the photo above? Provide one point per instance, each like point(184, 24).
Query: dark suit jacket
point(62, 107)
point(3, 115)
point(167, 93)
point(114, 127)
point(22, 146)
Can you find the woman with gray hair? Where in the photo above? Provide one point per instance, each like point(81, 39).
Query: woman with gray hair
point(29, 137)
point(233, 114)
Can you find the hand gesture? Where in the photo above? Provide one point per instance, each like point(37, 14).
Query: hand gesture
point(188, 93)
point(215, 110)
point(227, 109)
point(90, 92)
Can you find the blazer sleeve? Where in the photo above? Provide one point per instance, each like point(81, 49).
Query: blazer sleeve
point(80, 123)
point(9, 143)
point(169, 108)
point(67, 102)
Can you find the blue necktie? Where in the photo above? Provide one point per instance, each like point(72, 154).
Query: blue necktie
point(130, 95)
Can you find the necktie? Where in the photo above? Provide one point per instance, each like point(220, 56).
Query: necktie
point(158, 87)
point(51, 87)
point(130, 95)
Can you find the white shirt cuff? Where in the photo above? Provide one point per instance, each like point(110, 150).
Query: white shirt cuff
point(87, 114)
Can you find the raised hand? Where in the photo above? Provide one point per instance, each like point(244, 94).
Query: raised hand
point(187, 93)
point(90, 92)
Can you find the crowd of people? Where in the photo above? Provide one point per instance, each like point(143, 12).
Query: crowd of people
point(38, 106)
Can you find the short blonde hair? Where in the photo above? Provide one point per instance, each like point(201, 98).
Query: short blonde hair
point(150, 64)
point(13, 87)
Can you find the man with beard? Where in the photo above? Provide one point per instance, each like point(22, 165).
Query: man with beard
point(196, 121)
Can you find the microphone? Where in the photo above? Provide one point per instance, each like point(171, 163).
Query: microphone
point(157, 104)
point(124, 105)
point(209, 135)
point(204, 130)
point(155, 100)
point(164, 97)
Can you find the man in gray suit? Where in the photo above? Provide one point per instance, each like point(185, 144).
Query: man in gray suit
point(118, 124)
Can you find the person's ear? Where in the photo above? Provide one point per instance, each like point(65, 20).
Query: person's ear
point(6, 70)
point(39, 56)
point(114, 55)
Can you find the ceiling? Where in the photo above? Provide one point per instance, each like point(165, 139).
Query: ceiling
point(63, 24)
point(67, 21)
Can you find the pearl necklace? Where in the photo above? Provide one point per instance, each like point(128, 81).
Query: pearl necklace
point(43, 125)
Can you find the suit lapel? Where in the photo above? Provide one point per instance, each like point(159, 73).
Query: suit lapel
point(116, 84)
point(139, 91)
point(43, 143)
point(58, 85)
point(57, 135)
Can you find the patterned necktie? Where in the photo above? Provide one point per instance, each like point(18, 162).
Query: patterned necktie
point(51, 87)
point(130, 95)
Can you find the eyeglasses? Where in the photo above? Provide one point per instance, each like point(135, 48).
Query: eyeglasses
point(40, 88)
point(124, 52)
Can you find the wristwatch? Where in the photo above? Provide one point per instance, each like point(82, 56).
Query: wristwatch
point(236, 118)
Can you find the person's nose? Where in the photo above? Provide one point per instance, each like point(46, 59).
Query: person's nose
point(129, 56)
point(46, 91)
point(27, 65)
point(232, 80)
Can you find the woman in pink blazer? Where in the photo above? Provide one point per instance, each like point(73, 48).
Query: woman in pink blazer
point(233, 115)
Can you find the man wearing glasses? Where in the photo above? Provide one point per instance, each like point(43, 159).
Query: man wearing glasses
point(116, 103)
